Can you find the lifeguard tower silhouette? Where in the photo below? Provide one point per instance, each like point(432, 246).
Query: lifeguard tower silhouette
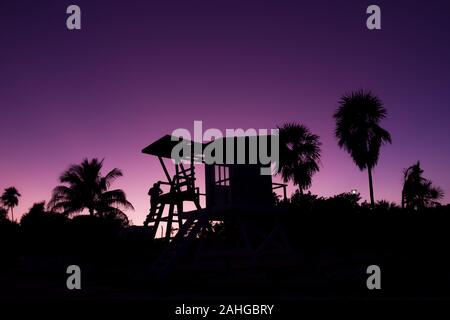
point(230, 190)
point(229, 187)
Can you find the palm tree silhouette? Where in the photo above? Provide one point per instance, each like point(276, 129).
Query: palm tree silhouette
point(358, 130)
point(10, 199)
point(87, 189)
point(299, 154)
point(418, 192)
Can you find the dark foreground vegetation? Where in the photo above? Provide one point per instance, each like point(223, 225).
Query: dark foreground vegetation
point(320, 248)
point(306, 247)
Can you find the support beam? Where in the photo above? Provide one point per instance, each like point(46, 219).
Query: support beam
point(169, 221)
point(165, 170)
point(192, 157)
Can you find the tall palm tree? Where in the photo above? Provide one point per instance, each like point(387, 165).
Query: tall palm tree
point(10, 199)
point(86, 189)
point(299, 155)
point(418, 192)
point(358, 130)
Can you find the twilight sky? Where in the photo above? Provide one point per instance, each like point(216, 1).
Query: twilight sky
point(140, 69)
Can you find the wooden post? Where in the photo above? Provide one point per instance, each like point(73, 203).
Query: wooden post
point(169, 221)
point(165, 170)
point(180, 213)
point(192, 156)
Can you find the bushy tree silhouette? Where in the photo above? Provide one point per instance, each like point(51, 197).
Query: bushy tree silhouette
point(418, 192)
point(358, 130)
point(299, 154)
point(36, 210)
point(36, 214)
point(87, 189)
point(3, 214)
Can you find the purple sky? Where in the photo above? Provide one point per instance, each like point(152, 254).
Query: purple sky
point(139, 69)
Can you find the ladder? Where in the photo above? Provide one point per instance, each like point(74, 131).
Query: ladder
point(151, 222)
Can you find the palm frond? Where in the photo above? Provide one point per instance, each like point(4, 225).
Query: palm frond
point(85, 188)
point(300, 152)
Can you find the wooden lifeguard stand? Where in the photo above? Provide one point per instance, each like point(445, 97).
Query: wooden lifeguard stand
point(182, 187)
point(230, 189)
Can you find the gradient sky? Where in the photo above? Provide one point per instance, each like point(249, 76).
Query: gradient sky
point(139, 69)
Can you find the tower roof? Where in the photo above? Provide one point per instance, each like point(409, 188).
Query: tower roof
point(164, 145)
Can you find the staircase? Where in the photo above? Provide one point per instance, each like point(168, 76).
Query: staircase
point(150, 222)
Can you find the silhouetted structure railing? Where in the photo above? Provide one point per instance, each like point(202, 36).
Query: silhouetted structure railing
point(276, 186)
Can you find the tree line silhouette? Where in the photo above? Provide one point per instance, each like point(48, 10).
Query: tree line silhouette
point(358, 131)
point(85, 222)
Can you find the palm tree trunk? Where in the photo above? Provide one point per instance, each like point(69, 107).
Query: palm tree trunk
point(403, 199)
point(372, 201)
point(12, 214)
